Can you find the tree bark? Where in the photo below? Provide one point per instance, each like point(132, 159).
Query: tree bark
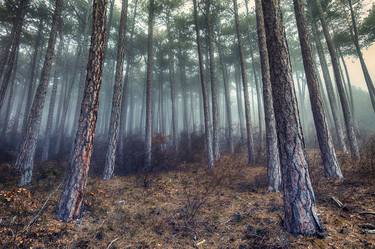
point(348, 118)
point(117, 96)
point(327, 151)
point(72, 196)
point(300, 215)
point(150, 63)
point(25, 158)
point(250, 145)
point(273, 159)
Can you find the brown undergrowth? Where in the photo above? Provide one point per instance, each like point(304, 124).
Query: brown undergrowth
point(189, 207)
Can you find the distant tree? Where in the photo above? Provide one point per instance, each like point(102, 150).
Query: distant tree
point(250, 144)
point(117, 96)
point(25, 158)
point(273, 159)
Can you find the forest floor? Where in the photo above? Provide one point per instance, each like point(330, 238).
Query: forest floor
point(188, 207)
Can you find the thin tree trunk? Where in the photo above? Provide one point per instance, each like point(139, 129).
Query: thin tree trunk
point(117, 96)
point(48, 133)
point(327, 151)
point(72, 196)
point(25, 158)
point(300, 215)
point(150, 63)
point(208, 135)
point(228, 108)
point(368, 80)
point(329, 87)
point(250, 145)
point(214, 88)
point(273, 159)
point(349, 122)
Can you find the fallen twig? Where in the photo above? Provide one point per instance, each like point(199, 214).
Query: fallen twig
point(337, 201)
point(112, 242)
point(370, 213)
point(41, 210)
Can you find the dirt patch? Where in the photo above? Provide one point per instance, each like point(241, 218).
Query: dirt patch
point(189, 207)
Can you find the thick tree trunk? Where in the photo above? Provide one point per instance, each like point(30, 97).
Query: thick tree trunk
point(25, 158)
point(117, 97)
point(208, 134)
point(72, 196)
point(250, 145)
point(214, 88)
point(300, 215)
point(15, 42)
point(273, 159)
point(348, 118)
point(150, 64)
point(329, 87)
point(327, 151)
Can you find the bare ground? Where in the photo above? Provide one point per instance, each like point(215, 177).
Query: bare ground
point(188, 207)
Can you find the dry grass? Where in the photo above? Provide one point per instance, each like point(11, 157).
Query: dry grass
point(189, 207)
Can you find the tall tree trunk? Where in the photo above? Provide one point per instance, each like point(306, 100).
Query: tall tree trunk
point(72, 196)
point(15, 42)
point(327, 151)
point(237, 79)
point(117, 96)
point(257, 87)
point(250, 145)
point(33, 71)
point(51, 108)
point(300, 215)
point(329, 87)
point(350, 90)
point(208, 134)
point(150, 64)
point(25, 158)
point(368, 80)
point(348, 118)
point(228, 105)
point(172, 85)
point(273, 159)
point(214, 88)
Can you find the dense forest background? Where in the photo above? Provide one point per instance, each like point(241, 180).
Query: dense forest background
point(173, 123)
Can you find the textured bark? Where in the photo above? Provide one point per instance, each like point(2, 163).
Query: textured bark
point(348, 118)
point(25, 158)
point(250, 145)
point(329, 87)
point(208, 134)
point(273, 159)
point(72, 196)
point(33, 71)
point(214, 88)
point(117, 96)
point(368, 80)
point(228, 108)
point(150, 64)
point(15, 42)
point(300, 215)
point(327, 151)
